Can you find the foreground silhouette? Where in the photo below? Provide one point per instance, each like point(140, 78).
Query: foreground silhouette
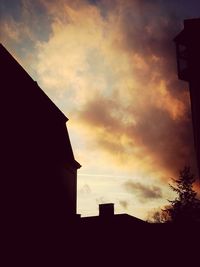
point(39, 193)
point(38, 169)
point(185, 208)
point(188, 58)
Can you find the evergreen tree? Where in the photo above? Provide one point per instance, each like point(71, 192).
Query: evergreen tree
point(186, 206)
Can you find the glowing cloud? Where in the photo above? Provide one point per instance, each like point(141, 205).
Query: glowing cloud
point(110, 66)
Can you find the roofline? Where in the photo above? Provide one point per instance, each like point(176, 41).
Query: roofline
point(187, 23)
point(30, 78)
point(61, 113)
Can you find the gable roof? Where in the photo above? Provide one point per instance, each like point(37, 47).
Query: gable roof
point(12, 70)
point(25, 99)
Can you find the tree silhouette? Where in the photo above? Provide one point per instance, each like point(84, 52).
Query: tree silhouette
point(185, 208)
point(159, 216)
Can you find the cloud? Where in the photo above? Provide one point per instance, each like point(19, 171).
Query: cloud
point(143, 192)
point(85, 190)
point(124, 203)
point(148, 95)
point(116, 70)
point(110, 67)
point(157, 215)
point(145, 137)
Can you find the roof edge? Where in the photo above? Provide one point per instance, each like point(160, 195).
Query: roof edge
point(8, 54)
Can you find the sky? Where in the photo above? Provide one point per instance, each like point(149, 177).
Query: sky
point(110, 66)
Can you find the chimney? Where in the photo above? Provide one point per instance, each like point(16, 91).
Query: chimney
point(106, 210)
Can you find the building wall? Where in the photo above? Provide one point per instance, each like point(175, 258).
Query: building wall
point(194, 84)
point(70, 189)
point(37, 159)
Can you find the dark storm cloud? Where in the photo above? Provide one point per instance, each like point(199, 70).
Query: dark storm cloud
point(143, 192)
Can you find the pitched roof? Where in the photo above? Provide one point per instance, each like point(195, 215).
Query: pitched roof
point(12, 70)
point(23, 98)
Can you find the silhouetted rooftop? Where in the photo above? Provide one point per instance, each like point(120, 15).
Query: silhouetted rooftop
point(191, 29)
point(16, 71)
point(26, 100)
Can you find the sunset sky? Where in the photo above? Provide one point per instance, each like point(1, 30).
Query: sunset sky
point(110, 66)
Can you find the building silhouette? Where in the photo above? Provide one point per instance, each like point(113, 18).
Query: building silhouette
point(39, 179)
point(188, 60)
point(39, 168)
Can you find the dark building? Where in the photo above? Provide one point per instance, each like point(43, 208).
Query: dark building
point(110, 224)
point(188, 62)
point(39, 170)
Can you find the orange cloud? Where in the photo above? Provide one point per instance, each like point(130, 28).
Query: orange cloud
point(111, 68)
point(117, 75)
